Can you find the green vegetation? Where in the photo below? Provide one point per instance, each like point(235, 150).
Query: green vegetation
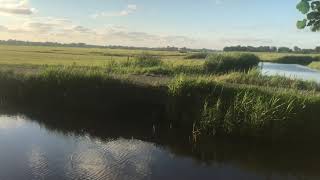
point(311, 8)
point(146, 60)
point(202, 55)
point(315, 65)
point(217, 63)
point(221, 95)
point(250, 114)
point(303, 60)
point(222, 108)
point(36, 56)
point(247, 111)
point(254, 77)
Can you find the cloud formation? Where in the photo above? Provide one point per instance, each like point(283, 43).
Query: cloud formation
point(131, 8)
point(16, 7)
point(64, 30)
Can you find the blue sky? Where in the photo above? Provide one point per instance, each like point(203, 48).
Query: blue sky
point(152, 23)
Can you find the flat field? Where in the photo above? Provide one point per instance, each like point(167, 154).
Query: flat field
point(40, 55)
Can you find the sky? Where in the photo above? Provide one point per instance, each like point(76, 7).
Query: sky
point(210, 24)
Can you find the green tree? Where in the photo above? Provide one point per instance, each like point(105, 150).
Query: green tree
point(311, 10)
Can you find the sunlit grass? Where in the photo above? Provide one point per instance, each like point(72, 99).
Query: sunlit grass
point(315, 65)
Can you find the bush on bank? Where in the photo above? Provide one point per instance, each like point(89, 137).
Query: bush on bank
point(222, 63)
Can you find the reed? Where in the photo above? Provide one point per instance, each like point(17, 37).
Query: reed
point(255, 77)
point(201, 55)
point(223, 63)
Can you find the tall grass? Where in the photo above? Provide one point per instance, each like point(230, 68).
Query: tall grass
point(302, 60)
point(246, 111)
point(201, 55)
point(315, 65)
point(255, 77)
point(147, 60)
point(222, 63)
point(250, 114)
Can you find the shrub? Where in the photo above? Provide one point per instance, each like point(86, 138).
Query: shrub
point(302, 60)
point(202, 55)
point(222, 63)
point(147, 60)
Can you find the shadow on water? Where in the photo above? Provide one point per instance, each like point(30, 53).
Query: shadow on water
point(265, 161)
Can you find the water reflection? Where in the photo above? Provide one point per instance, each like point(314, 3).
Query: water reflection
point(7, 122)
point(291, 71)
point(69, 146)
point(115, 159)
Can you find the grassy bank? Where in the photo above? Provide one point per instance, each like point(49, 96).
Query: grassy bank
point(254, 111)
point(254, 77)
point(315, 65)
point(201, 105)
point(222, 95)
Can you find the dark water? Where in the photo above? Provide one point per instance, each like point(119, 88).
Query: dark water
point(66, 147)
point(291, 71)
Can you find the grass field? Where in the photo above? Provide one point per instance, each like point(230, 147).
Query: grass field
point(97, 56)
point(68, 56)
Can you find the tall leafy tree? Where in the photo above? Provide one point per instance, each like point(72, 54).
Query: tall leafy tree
point(311, 10)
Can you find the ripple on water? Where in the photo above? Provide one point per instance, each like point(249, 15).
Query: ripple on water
point(118, 159)
point(38, 164)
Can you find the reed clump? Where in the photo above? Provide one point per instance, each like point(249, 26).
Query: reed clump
point(223, 63)
point(147, 60)
point(201, 55)
point(251, 114)
point(246, 111)
point(302, 60)
point(255, 77)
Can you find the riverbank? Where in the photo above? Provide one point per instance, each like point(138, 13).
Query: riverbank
point(315, 65)
point(202, 105)
point(225, 95)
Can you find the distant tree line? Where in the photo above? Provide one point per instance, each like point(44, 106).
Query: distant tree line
point(251, 48)
point(84, 45)
point(52, 44)
point(168, 48)
point(295, 49)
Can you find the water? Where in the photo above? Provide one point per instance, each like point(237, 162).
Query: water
point(291, 71)
point(37, 146)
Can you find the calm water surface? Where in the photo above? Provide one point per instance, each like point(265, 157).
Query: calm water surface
point(33, 149)
point(291, 71)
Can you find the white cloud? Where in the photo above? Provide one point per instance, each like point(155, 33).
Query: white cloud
point(130, 9)
point(15, 7)
point(64, 30)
